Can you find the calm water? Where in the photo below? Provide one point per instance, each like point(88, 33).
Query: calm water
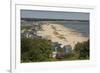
point(81, 27)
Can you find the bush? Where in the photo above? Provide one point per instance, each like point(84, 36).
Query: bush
point(35, 50)
point(82, 50)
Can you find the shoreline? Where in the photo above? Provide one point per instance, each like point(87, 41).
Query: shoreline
point(63, 35)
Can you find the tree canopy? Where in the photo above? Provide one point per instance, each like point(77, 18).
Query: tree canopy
point(35, 50)
point(82, 50)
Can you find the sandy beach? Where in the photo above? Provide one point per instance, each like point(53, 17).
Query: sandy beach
point(59, 33)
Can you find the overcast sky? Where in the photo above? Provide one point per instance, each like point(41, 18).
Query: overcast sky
point(54, 15)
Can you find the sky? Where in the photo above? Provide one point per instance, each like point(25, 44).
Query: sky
point(54, 15)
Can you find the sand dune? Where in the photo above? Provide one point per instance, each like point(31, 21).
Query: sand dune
point(61, 34)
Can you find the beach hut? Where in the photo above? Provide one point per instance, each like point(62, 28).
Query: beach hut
point(67, 49)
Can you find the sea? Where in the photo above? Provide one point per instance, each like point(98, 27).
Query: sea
point(81, 27)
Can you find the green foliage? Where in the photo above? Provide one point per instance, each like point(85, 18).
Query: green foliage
point(82, 50)
point(25, 27)
point(70, 56)
point(38, 50)
point(35, 50)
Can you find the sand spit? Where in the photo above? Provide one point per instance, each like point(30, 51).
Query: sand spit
point(59, 33)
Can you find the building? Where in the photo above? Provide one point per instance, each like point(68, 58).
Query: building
point(59, 51)
point(67, 49)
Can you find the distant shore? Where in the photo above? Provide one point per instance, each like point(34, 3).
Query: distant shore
point(59, 33)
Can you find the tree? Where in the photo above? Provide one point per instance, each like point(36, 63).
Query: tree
point(82, 50)
point(35, 50)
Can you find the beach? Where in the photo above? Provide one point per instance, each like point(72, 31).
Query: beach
point(59, 33)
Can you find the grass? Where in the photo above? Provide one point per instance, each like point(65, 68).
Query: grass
point(61, 37)
point(25, 27)
point(56, 33)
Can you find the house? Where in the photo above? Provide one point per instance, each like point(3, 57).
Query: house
point(59, 51)
point(56, 46)
point(67, 49)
